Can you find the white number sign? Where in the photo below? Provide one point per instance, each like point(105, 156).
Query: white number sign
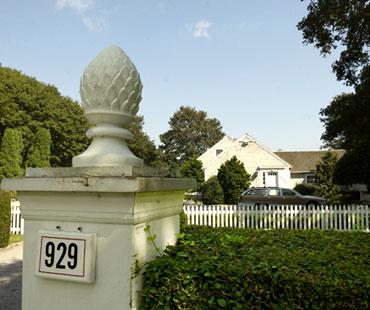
point(66, 256)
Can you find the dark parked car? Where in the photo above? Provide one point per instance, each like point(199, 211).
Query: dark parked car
point(277, 195)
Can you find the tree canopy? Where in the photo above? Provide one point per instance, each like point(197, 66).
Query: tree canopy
point(347, 125)
point(28, 105)
point(191, 133)
point(344, 24)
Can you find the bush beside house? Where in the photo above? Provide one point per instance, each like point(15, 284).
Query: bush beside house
point(250, 269)
point(234, 180)
point(212, 192)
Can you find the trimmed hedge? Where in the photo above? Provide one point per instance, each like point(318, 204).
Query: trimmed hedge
point(4, 218)
point(250, 269)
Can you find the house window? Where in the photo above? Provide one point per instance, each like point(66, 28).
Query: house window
point(310, 179)
point(218, 152)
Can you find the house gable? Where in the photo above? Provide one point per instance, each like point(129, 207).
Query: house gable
point(252, 154)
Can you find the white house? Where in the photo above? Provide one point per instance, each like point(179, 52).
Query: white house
point(265, 167)
point(304, 164)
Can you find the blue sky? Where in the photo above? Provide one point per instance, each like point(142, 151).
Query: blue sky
point(242, 61)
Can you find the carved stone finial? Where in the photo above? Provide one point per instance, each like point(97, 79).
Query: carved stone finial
point(110, 91)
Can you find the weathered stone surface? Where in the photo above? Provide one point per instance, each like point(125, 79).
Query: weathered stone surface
point(110, 91)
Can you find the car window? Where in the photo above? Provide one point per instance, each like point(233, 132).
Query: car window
point(274, 192)
point(257, 192)
point(288, 192)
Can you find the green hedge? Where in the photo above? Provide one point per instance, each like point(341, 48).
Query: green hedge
point(249, 269)
point(4, 218)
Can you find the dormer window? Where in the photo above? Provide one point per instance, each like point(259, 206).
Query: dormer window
point(218, 152)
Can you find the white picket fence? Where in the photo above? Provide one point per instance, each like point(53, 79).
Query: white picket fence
point(353, 217)
point(17, 222)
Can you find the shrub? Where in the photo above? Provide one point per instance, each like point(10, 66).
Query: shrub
point(39, 152)
point(212, 192)
point(11, 154)
point(324, 178)
point(234, 180)
point(4, 218)
point(250, 269)
point(305, 189)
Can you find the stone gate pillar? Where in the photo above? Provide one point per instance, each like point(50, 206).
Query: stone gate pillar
point(87, 227)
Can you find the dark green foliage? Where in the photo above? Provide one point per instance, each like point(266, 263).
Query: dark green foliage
point(28, 104)
point(347, 125)
point(212, 192)
point(324, 178)
point(306, 189)
point(250, 269)
point(346, 24)
point(191, 133)
point(11, 154)
point(234, 180)
point(193, 168)
point(4, 218)
point(39, 152)
point(340, 23)
point(142, 146)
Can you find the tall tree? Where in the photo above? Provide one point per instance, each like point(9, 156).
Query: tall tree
point(347, 125)
point(330, 24)
point(324, 178)
point(11, 154)
point(28, 104)
point(39, 152)
point(345, 24)
point(193, 168)
point(142, 146)
point(234, 179)
point(191, 133)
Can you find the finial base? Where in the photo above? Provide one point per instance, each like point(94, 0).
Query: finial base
point(107, 151)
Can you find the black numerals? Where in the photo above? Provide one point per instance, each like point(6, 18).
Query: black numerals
point(62, 253)
point(50, 254)
point(72, 254)
point(63, 249)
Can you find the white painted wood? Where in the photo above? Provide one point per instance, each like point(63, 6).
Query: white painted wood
point(280, 216)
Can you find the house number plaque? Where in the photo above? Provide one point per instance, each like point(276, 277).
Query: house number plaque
point(66, 256)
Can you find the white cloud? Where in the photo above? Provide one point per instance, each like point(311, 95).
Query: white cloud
point(201, 29)
point(85, 9)
point(77, 5)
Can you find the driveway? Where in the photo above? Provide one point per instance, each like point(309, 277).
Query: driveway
point(11, 277)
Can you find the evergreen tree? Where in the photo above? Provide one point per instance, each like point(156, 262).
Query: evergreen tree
point(193, 168)
point(39, 152)
point(234, 180)
point(212, 192)
point(324, 178)
point(11, 154)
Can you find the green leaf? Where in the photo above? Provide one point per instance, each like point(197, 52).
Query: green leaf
point(221, 302)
